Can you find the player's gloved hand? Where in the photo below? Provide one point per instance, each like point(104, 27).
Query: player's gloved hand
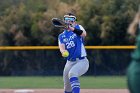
point(65, 53)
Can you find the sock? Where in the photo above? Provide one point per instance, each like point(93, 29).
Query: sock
point(67, 92)
point(75, 85)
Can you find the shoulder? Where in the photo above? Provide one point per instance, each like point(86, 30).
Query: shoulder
point(61, 35)
point(81, 27)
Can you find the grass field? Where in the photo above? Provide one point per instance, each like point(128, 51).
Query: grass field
point(88, 82)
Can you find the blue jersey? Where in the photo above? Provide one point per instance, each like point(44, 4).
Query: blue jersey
point(74, 43)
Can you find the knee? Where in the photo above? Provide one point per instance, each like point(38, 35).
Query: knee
point(72, 74)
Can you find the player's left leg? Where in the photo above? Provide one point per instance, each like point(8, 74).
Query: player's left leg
point(77, 70)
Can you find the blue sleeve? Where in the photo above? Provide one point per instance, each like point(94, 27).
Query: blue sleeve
point(60, 39)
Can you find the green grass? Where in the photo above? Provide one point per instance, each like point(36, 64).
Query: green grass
point(106, 82)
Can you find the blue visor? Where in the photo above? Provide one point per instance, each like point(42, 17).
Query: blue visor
point(69, 18)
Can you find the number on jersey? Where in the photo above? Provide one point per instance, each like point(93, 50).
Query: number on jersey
point(70, 44)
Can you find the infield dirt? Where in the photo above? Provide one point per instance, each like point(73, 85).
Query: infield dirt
point(61, 91)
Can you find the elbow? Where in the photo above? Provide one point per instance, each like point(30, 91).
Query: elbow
point(84, 34)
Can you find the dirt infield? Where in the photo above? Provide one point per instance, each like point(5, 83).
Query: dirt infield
point(61, 91)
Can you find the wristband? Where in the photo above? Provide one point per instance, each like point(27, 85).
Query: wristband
point(78, 31)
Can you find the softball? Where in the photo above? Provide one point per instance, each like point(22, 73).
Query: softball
point(65, 54)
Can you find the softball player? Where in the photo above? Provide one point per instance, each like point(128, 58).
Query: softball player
point(133, 73)
point(77, 64)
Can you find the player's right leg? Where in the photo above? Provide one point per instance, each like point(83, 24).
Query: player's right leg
point(67, 85)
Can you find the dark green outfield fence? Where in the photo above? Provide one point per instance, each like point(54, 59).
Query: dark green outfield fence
point(42, 62)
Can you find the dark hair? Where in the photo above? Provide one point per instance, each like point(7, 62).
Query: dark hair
point(70, 14)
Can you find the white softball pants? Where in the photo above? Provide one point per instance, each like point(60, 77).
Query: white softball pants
point(74, 69)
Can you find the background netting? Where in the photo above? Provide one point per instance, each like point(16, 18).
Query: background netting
point(50, 62)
